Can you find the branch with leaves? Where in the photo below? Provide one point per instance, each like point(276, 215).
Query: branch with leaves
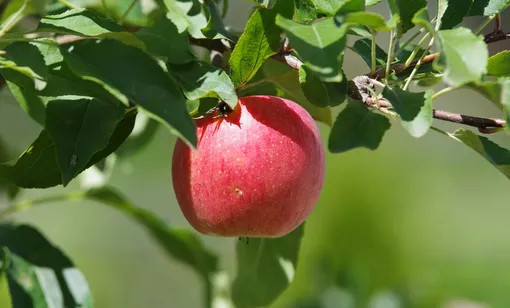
point(87, 74)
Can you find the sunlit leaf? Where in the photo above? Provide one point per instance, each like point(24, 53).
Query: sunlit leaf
point(259, 41)
point(193, 16)
point(200, 79)
point(463, 55)
point(40, 274)
point(86, 23)
point(488, 7)
point(492, 152)
point(104, 62)
point(499, 64)
point(415, 109)
point(319, 45)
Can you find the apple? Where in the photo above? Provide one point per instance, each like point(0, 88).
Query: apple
point(257, 171)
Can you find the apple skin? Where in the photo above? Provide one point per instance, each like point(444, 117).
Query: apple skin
point(257, 172)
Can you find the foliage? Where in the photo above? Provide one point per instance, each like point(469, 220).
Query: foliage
point(87, 72)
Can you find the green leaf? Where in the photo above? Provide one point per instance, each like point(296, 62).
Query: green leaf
point(487, 7)
point(63, 83)
point(452, 12)
point(200, 79)
point(39, 274)
point(180, 244)
point(371, 20)
point(86, 130)
point(259, 41)
point(499, 64)
point(406, 9)
point(505, 98)
point(194, 15)
point(305, 11)
point(265, 268)
point(215, 26)
point(496, 155)
point(121, 133)
point(356, 126)
point(465, 56)
point(321, 93)
point(287, 80)
point(490, 89)
point(332, 7)
point(28, 101)
point(319, 45)
point(163, 40)
point(38, 166)
point(372, 2)
point(16, 9)
point(363, 47)
point(25, 58)
point(13, 12)
point(421, 18)
point(104, 62)
point(85, 23)
point(406, 104)
point(415, 109)
point(420, 125)
point(7, 188)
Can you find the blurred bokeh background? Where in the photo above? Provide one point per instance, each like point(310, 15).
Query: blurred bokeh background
point(416, 223)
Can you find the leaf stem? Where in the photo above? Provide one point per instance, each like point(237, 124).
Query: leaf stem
point(126, 13)
point(497, 23)
point(13, 20)
point(372, 51)
point(417, 66)
point(408, 41)
point(484, 24)
point(25, 205)
point(416, 50)
point(390, 56)
point(443, 91)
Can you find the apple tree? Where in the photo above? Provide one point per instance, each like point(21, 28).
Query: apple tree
point(87, 71)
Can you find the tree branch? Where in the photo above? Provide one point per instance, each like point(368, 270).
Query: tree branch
point(358, 90)
point(484, 125)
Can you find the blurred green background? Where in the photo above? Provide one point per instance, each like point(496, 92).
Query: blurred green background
point(416, 223)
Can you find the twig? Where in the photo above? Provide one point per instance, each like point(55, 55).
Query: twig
point(497, 23)
point(496, 36)
point(360, 88)
point(418, 64)
point(484, 125)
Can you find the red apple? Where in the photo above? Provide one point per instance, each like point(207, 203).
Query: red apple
point(257, 171)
